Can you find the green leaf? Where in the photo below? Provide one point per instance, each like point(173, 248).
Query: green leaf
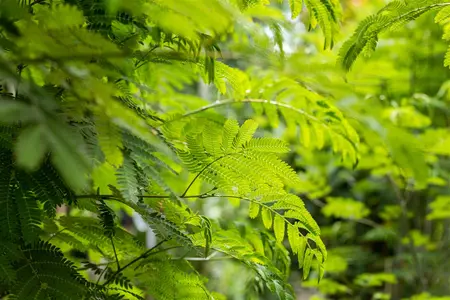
point(230, 130)
point(278, 228)
point(13, 111)
point(267, 217)
point(102, 176)
point(442, 16)
point(321, 271)
point(67, 154)
point(253, 209)
point(440, 208)
point(296, 7)
point(375, 279)
point(245, 133)
point(301, 251)
point(347, 208)
point(307, 263)
point(110, 140)
point(207, 232)
point(294, 238)
point(31, 147)
point(305, 134)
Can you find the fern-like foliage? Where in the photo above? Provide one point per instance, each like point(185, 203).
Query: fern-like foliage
point(40, 271)
point(325, 13)
point(220, 158)
point(266, 259)
point(20, 193)
point(394, 15)
point(319, 123)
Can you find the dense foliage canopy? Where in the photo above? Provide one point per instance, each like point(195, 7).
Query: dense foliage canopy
point(224, 149)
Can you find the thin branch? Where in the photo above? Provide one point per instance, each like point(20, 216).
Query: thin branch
point(159, 251)
point(55, 234)
point(115, 253)
point(103, 272)
point(232, 101)
point(270, 102)
point(412, 13)
point(201, 171)
point(142, 256)
point(112, 197)
point(210, 257)
point(137, 66)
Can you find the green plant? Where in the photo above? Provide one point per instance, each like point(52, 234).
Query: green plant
point(97, 121)
point(392, 16)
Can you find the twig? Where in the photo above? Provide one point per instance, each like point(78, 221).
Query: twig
point(101, 274)
point(159, 251)
point(201, 171)
point(262, 101)
point(142, 256)
point(137, 66)
point(55, 234)
point(115, 253)
point(112, 197)
point(210, 257)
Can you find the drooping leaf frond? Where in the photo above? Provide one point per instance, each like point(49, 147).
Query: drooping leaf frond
point(41, 266)
point(394, 15)
point(263, 186)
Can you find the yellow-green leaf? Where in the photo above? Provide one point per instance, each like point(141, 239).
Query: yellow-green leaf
point(110, 140)
point(278, 228)
point(230, 130)
point(67, 154)
point(253, 210)
point(31, 147)
point(321, 270)
point(103, 176)
point(320, 267)
point(267, 217)
point(296, 7)
point(307, 263)
point(293, 237)
point(301, 251)
point(319, 135)
point(245, 133)
point(305, 134)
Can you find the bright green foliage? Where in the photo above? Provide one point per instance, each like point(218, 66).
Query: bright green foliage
point(367, 280)
point(233, 152)
point(440, 208)
point(325, 13)
point(327, 286)
point(393, 16)
point(427, 296)
point(345, 208)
